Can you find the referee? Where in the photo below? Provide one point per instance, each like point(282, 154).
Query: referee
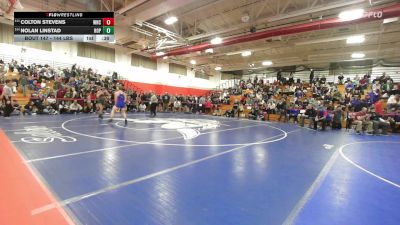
point(153, 104)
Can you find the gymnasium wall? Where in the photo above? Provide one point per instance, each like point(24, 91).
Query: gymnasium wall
point(393, 72)
point(64, 54)
point(161, 89)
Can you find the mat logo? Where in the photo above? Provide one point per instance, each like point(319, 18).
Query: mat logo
point(42, 134)
point(189, 128)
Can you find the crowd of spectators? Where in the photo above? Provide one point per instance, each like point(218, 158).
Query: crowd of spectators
point(173, 102)
point(53, 91)
point(320, 103)
point(74, 90)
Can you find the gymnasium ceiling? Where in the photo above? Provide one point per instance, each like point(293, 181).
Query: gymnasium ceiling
point(201, 20)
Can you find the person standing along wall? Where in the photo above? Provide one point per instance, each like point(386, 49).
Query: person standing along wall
point(153, 104)
point(7, 98)
point(165, 101)
point(23, 81)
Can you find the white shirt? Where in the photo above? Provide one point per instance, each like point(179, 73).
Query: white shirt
point(177, 104)
point(392, 100)
point(376, 86)
point(7, 91)
point(75, 106)
point(51, 100)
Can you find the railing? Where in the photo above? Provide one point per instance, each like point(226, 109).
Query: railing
point(28, 61)
point(227, 84)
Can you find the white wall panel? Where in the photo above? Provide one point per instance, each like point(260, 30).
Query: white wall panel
point(65, 55)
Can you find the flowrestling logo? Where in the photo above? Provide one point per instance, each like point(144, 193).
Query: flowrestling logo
point(189, 128)
point(43, 134)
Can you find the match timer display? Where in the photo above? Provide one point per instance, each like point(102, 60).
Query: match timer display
point(64, 26)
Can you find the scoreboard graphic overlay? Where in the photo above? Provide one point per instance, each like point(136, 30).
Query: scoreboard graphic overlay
point(64, 26)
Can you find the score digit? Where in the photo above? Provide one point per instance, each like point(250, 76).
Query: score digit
point(108, 21)
point(108, 30)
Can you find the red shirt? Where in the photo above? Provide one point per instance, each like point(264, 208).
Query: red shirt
point(359, 115)
point(92, 96)
point(379, 108)
point(61, 93)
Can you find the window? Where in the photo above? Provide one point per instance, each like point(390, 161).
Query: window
point(142, 61)
point(177, 69)
point(7, 36)
point(202, 75)
point(96, 52)
point(228, 76)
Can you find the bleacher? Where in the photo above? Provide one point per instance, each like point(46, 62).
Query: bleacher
point(304, 76)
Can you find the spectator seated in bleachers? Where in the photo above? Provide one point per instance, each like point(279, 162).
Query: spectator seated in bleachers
point(309, 113)
point(271, 107)
point(253, 114)
point(337, 118)
point(293, 112)
point(394, 120)
point(362, 119)
point(177, 106)
point(217, 112)
point(229, 113)
point(282, 109)
point(393, 103)
point(49, 108)
point(16, 107)
point(142, 107)
point(75, 107)
point(63, 107)
point(322, 117)
point(29, 108)
point(236, 106)
point(341, 77)
point(379, 124)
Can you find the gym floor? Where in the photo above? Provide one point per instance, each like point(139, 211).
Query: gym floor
point(179, 169)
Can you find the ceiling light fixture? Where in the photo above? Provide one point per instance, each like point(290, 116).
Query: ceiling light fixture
point(245, 17)
point(216, 41)
point(357, 55)
point(218, 68)
point(160, 53)
point(267, 63)
point(193, 62)
point(246, 53)
point(390, 20)
point(355, 39)
point(210, 50)
point(170, 20)
point(351, 14)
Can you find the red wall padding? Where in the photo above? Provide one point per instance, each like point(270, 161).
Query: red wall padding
point(161, 89)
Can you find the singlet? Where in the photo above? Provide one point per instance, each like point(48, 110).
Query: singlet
point(101, 99)
point(120, 100)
